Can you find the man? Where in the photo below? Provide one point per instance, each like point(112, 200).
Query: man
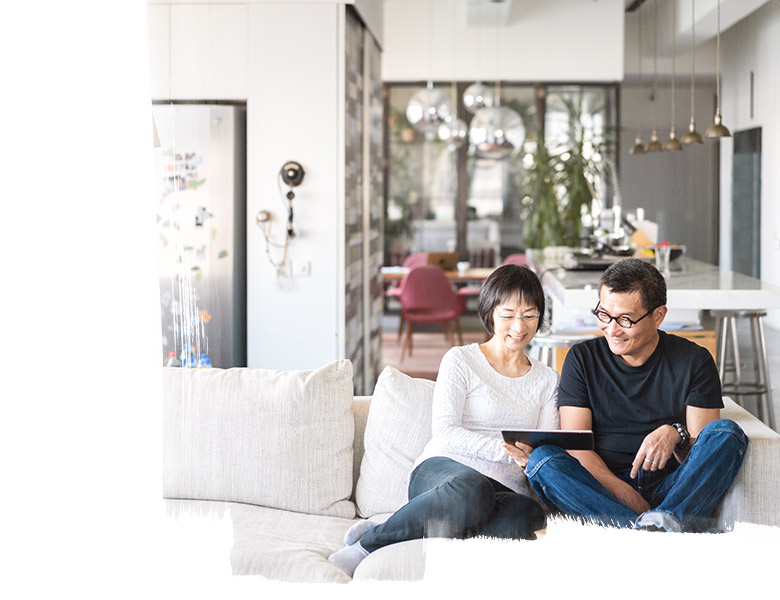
point(663, 457)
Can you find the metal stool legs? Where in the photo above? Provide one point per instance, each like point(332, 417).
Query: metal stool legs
point(738, 387)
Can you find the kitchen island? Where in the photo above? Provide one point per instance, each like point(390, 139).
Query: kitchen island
point(692, 285)
point(693, 288)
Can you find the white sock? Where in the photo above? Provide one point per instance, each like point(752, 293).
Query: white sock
point(658, 519)
point(356, 532)
point(348, 558)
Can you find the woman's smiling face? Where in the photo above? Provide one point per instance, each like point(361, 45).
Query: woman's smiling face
point(515, 322)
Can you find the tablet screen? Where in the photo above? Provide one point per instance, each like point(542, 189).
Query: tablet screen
point(566, 439)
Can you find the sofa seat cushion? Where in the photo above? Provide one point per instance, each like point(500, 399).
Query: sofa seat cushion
point(281, 439)
point(404, 561)
point(275, 544)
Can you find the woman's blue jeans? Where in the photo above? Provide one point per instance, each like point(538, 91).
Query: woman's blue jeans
point(689, 492)
point(448, 499)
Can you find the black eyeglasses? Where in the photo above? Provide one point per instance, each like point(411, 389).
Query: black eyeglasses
point(622, 320)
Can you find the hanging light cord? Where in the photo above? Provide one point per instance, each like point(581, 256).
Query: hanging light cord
point(674, 55)
point(655, 65)
point(639, 60)
point(693, 50)
point(717, 61)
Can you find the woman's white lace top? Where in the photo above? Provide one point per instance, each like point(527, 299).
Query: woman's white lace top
point(472, 403)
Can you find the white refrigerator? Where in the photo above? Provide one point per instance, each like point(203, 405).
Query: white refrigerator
point(200, 174)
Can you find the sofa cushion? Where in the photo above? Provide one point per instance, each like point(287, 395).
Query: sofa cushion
point(281, 439)
point(275, 544)
point(398, 427)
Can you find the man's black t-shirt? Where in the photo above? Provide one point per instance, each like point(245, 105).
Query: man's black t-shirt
point(629, 402)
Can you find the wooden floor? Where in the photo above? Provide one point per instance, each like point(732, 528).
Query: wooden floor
point(427, 350)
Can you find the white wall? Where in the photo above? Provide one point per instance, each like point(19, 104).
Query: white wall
point(285, 60)
point(754, 45)
point(555, 40)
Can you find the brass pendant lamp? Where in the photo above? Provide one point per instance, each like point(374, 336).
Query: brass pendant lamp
point(654, 145)
point(693, 136)
point(673, 143)
point(639, 147)
point(717, 129)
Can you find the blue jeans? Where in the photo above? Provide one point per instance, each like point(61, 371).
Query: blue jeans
point(690, 492)
point(448, 499)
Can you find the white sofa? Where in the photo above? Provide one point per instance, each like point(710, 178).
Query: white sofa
point(293, 459)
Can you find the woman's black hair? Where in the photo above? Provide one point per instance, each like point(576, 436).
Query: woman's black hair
point(504, 283)
point(632, 275)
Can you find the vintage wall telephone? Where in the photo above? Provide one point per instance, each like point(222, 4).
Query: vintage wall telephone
point(291, 174)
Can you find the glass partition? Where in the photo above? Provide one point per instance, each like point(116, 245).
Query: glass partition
point(444, 199)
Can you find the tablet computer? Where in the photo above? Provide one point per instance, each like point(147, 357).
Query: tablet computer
point(569, 439)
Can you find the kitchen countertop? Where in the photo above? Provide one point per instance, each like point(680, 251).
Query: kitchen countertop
point(691, 284)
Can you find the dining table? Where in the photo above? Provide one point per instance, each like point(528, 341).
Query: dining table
point(471, 275)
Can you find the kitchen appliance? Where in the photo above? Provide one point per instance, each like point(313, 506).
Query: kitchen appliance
point(200, 175)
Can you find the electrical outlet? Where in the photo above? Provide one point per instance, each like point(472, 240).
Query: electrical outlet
point(301, 268)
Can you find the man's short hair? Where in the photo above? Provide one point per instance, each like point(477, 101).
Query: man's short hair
point(503, 284)
point(633, 274)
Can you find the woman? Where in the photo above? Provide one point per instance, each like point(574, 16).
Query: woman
point(466, 483)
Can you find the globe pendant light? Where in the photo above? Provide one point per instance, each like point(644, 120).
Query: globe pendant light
point(639, 147)
point(654, 145)
point(428, 108)
point(453, 131)
point(717, 129)
point(693, 136)
point(673, 143)
point(477, 96)
point(496, 131)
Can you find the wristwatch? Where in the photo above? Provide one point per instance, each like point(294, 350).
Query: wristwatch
point(685, 437)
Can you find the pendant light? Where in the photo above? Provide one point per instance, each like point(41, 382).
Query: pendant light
point(717, 129)
point(478, 95)
point(693, 136)
point(639, 147)
point(453, 131)
point(673, 143)
point(496, 131)
point(428, 108)
point(654, 145)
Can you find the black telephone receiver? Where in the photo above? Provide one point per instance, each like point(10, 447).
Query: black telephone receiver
point(292, 174)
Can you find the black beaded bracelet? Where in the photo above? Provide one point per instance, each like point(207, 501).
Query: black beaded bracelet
point(685, 437)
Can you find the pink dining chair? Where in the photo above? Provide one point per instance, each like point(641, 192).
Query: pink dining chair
point(428, 297)
point(516, 259)
point(415, 259)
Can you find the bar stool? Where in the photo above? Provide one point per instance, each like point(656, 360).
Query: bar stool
point(546, 342)
point(726, 327)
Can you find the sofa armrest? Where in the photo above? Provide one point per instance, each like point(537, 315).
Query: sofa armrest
point(754, 495)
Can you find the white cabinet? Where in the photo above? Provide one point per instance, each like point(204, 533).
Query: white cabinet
point(198, 51)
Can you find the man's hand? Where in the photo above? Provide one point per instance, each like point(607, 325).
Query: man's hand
point(519, 453)
point(656, 449)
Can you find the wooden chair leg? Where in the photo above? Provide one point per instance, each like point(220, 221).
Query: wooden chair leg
point(460, 333)
point(448, 333)
point(407, 343)
point(400, 327)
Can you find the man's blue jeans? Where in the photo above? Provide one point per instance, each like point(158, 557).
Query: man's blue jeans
point(689, 492)
point(448, 499)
